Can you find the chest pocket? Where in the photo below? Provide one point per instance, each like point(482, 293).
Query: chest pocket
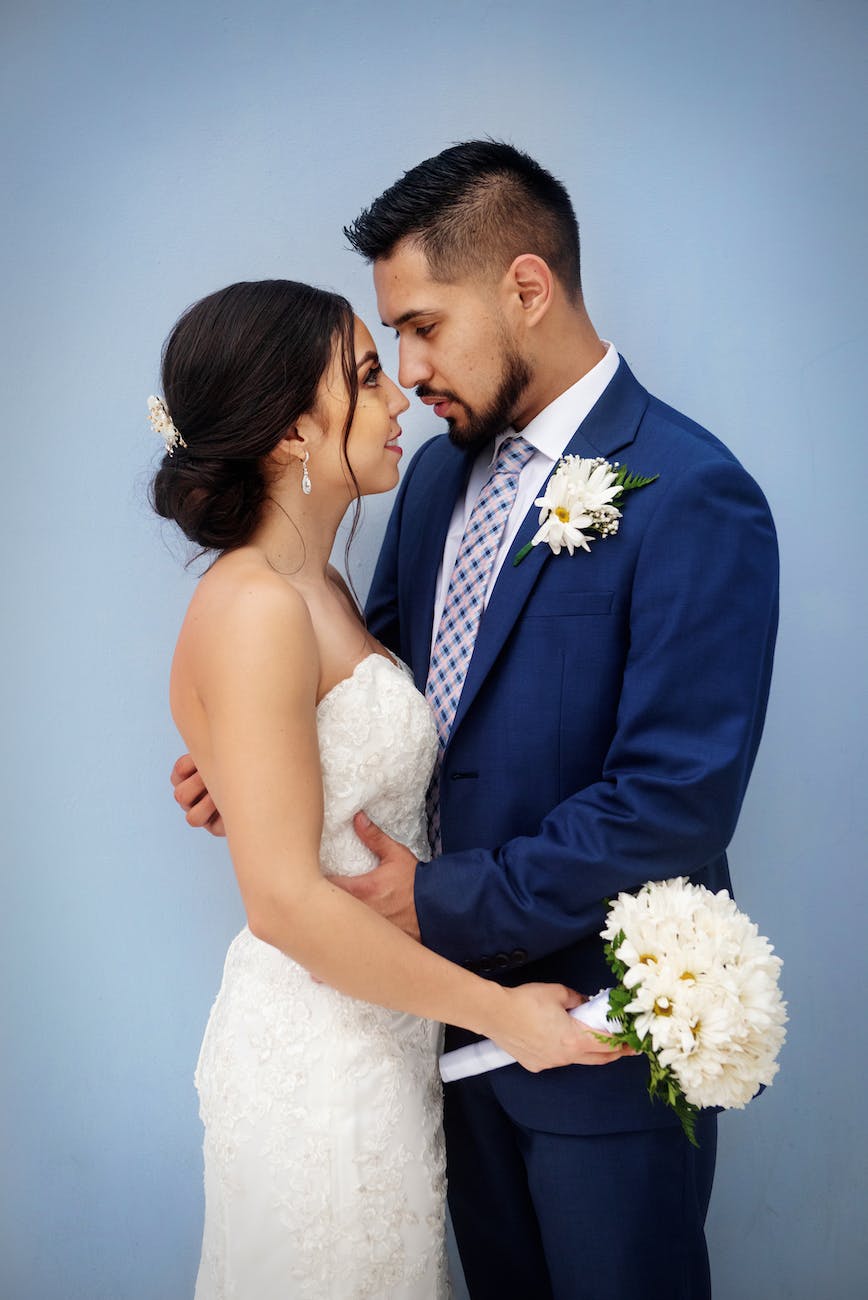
point(569, 604)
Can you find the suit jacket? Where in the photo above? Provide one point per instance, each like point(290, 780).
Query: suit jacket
point(608, 723)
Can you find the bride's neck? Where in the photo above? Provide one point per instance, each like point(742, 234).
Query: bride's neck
point(297, 532)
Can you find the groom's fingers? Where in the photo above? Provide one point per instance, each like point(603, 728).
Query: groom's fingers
point(371, 835)
point(388, 887)
point(199, 808)
point(184, 768)
point(360, 887)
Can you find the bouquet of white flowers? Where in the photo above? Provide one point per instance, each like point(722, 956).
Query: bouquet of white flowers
point(697, 993)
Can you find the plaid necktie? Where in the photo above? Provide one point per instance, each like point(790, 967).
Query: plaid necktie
point(465, 601)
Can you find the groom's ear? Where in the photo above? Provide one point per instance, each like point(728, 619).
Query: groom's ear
point(529, 286)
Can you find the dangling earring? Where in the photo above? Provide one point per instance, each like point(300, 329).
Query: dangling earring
point(305, 477)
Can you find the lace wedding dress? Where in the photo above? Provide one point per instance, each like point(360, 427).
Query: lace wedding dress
point(324, 1164)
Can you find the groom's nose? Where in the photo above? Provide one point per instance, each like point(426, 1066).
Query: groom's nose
point(413, 367)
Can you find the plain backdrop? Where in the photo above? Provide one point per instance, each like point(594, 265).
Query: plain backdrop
point(154, 152)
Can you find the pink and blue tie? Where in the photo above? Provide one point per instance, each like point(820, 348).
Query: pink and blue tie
point(465, 602)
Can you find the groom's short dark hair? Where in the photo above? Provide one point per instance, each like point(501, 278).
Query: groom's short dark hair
point(473, 209)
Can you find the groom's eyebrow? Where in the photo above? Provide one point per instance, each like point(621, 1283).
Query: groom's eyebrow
point(406, 316)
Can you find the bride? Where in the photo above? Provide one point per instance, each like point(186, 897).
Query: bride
point(324, 1167)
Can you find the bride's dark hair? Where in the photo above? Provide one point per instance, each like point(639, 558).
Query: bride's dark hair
point(239, 368)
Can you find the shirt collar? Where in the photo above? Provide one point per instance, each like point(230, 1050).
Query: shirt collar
point(551, 430)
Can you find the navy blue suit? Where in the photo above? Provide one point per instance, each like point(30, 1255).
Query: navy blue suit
point(605, 734)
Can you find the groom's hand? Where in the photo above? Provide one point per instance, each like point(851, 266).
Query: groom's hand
point(388, 889)
point(192, 794)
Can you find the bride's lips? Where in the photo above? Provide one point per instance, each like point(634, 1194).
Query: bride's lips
point(392, 444)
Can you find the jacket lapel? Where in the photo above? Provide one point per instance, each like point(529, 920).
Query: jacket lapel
point(610, 425)
point(441, 490)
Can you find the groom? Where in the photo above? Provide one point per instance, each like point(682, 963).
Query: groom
point(599, 711)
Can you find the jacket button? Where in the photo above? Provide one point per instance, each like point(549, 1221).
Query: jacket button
point(517, 956)
point(500, 961)
point(484, 966)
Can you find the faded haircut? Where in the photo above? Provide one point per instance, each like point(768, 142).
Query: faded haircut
point(473, 209)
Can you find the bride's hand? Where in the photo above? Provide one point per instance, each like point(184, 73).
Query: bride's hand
point(535, 1028)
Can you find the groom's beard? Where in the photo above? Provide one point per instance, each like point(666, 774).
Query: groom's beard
point(480, 427)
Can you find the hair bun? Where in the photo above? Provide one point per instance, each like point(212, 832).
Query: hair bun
point(216, 503)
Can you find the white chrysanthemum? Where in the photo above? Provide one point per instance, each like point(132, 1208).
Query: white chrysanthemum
point(705, 989)
point(592, 482)
point(578, 495)
point(562, 517)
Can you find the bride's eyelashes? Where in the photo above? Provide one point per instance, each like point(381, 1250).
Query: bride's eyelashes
point(371, 379)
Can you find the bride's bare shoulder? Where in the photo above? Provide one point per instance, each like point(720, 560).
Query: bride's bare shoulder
point(242, 606)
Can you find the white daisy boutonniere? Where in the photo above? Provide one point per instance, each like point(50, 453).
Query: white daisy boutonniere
point(582, 493)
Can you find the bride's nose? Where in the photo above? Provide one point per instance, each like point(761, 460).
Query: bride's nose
point(397, 400)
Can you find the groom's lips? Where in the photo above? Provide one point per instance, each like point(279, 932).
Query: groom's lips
point(440, 404)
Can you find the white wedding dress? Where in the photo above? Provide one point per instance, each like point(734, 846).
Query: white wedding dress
point(324, 1163)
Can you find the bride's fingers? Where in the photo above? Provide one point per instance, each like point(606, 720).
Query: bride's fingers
point(572, 998)
point(598, 1052)
point(605, 1059)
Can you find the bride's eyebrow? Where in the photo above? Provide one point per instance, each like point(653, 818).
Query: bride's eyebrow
point(370, 355)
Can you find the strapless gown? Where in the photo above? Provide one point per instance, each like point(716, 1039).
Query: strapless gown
point(324, 1161)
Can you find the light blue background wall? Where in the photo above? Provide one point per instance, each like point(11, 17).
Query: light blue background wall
point(154, 152)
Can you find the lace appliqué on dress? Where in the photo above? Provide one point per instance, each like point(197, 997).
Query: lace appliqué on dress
point(324, 1162)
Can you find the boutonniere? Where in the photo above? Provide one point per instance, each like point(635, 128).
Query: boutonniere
point(582, 494)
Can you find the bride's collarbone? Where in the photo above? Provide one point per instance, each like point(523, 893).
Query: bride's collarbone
point(343, 644)
point(341, 663)
point(342, 639)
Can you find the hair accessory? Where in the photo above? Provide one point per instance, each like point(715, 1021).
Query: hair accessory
point(162, 422)
point(305, 477)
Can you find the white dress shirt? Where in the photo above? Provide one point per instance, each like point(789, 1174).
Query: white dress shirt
point(549, 432)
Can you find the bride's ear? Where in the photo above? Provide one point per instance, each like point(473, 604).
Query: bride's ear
point(290, 448)
point(294, 445)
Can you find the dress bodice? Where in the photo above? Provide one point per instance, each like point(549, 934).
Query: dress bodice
point(377, 744)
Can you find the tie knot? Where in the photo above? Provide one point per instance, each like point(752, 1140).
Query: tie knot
point(515, 452)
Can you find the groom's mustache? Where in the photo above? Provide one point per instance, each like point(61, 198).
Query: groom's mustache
point(444, 394)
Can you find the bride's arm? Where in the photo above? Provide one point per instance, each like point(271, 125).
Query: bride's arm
point(191, 793)
point(256, 674)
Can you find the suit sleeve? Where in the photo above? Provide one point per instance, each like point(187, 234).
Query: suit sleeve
point(702, 623)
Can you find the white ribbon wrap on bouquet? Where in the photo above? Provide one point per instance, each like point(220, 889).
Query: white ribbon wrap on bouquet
point(479, 1057)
